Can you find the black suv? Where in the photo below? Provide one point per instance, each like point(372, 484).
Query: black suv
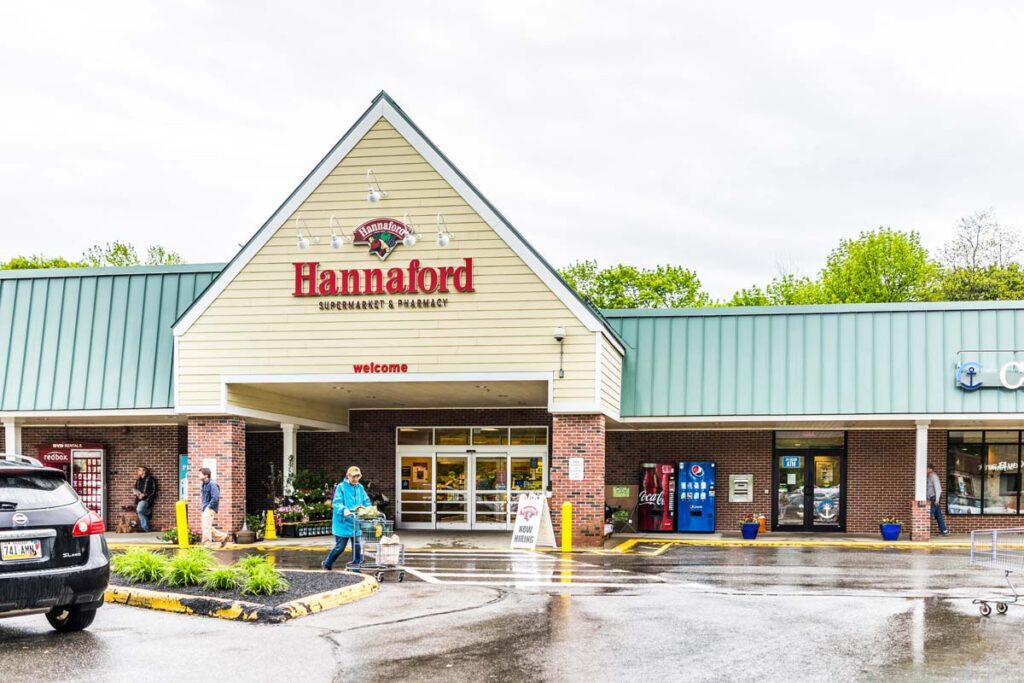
point(53, 556)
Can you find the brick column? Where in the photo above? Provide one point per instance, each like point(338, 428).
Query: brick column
point(221, 439)
point(579, 436)
point(920, 520)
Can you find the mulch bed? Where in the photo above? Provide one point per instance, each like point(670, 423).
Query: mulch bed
point(300, 585)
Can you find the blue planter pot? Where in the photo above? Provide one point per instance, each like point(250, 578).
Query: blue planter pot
point(749, 530)
point(890, 532)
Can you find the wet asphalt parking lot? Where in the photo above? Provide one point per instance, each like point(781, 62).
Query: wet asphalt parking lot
point(688, 614)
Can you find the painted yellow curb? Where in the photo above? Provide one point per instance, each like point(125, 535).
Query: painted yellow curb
point(630, 543)
point(239, 610)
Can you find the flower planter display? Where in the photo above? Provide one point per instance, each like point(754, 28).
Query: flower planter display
point(749, 530)
point(890, 532)
point(305, 529)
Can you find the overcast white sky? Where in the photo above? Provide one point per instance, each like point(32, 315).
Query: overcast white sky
point(727, 137)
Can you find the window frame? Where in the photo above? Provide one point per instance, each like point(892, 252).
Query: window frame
point(983, 475)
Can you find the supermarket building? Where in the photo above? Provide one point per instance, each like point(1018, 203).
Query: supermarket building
point(388, 316)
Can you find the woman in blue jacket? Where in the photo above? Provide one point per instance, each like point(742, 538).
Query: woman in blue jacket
point(348, 496)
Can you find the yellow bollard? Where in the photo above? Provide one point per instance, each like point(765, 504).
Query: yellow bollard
point(566, 527)
point(270, 528)
point(181, 517)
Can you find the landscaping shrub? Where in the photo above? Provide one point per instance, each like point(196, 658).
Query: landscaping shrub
point(171, 536)
point(188, 567)
point(139, 566)
point(251, 562)
point(263, 580)
point(221, 578)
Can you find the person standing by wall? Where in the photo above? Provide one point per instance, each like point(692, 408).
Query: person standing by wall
point(209, 502)
point(348, 496)
point(934, 497)
point(145, 492)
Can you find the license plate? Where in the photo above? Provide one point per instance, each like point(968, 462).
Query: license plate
point(21, 550)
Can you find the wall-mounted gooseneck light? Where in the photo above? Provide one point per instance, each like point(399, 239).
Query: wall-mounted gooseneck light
point(559, 335)
point(413, 237)
point(303, 241)
point(338, 239)
point(373, 193)
point(444, 235)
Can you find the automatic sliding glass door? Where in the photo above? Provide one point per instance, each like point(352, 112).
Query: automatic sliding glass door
point(416, 497)
point(452, 490)
point(490, 491)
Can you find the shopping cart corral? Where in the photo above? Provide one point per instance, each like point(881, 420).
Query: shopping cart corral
point(382, 551)
point(999, 549)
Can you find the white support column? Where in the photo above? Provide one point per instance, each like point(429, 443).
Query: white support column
point(921, 461)
point(12, 437)
point(288, 453)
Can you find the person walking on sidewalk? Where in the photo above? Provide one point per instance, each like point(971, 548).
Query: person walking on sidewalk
point(209, 502)
point(145, 492)
point(348, 496)
point(934, 496)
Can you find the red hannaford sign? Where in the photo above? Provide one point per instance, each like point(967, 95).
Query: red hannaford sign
point(312, 280)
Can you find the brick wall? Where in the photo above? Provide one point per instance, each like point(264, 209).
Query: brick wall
point(156, 447)
point(370, 445)
point(223, 439)
point(579, 436)
point(733, 452)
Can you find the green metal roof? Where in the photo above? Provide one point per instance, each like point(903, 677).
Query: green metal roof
point(871, 359)
point(92, 338)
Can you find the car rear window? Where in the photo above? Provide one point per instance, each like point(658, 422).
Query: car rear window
point(34, 491)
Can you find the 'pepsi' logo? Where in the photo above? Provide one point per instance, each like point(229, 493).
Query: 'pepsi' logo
point(697, 470)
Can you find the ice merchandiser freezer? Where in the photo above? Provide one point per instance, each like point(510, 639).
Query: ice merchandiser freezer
point(695, 496)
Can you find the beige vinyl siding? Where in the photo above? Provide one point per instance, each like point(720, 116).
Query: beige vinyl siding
point(256, 326)
point(268, 401)
point(611, 377)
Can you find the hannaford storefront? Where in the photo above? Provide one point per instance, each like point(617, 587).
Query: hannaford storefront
point(388, 316)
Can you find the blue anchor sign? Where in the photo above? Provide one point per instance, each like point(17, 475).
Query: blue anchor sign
point(967, 376)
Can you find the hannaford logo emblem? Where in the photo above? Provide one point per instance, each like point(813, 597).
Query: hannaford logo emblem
point(382, 235)
point(697, 471)
point(528, 512)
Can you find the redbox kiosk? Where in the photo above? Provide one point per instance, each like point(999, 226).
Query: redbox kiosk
point(84, 465)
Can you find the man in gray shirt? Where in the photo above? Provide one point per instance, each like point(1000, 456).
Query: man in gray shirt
point(934, 495)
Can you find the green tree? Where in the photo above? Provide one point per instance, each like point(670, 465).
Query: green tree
point(157, 255)
point(38, 261)
point(992, 283)
point(785, 290)
point(118, 253)
point(622, 286)
point(883, 265)
point(114, 253)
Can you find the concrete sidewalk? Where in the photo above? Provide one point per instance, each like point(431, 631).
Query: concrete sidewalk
point(499, 540)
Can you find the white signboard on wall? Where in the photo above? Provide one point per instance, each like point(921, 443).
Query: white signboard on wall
point(211, 464)
point(576, 469)
point(533, 523)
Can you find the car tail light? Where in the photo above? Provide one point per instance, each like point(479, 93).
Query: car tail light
point(88, 525)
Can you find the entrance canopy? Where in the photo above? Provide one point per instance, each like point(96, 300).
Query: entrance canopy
point(324, 400)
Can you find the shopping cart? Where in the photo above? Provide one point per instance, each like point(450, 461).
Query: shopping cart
point(999, 549)
point(379, 555)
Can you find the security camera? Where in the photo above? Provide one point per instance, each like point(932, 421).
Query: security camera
point(559, 334)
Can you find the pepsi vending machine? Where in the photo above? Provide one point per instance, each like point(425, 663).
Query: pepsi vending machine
point(695, 492)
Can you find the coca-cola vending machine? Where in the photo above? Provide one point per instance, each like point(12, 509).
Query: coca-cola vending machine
point(656, 501)
point(83, 465)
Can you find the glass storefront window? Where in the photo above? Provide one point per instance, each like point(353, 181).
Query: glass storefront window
point(451, 436)
point(529, 436)
point(490, 436)
point(1002, 480)
point(412, 436)
point(808, 440)
point(983, 473)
